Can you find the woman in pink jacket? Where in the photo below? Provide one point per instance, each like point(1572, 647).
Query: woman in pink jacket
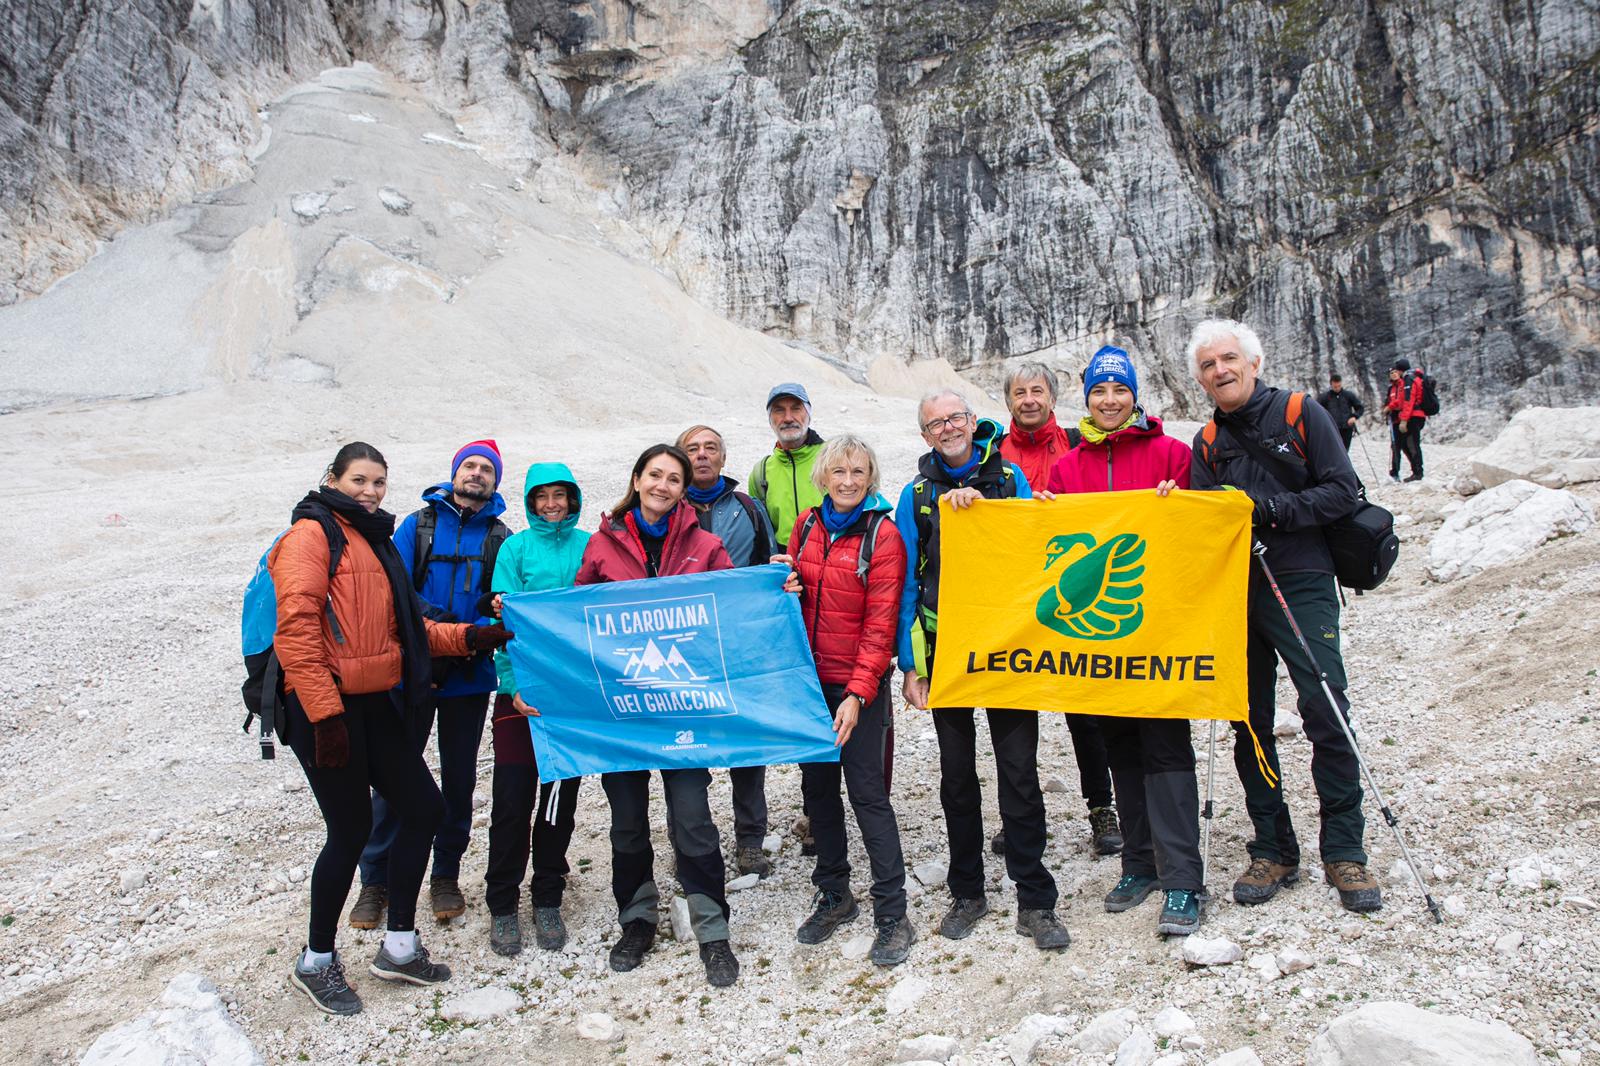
point(1152, 762)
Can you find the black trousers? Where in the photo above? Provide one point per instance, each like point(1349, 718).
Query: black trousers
point(861, 765)
point(516, 831)
point(382, 757)
point(1015, 737)
point(1089, 749)
point(695, 842)
point(1158, 799)
point(1408, 444)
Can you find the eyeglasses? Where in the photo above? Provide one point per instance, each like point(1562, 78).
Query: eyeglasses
point(958, 420)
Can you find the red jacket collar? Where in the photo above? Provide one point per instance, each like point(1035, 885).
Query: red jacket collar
point(1041, 437)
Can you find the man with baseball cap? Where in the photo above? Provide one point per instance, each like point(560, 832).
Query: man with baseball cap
point(781, 481)
point(449, 549)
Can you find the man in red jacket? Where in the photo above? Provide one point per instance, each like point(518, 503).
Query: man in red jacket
point(1406, 419)
point(1035, 443)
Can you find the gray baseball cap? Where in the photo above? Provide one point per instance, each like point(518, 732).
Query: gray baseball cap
point(789, 388)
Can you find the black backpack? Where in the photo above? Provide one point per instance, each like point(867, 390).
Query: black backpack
point(427, 525)
point(1430, 394)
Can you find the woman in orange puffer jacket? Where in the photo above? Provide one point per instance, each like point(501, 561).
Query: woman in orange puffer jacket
point(344, 642)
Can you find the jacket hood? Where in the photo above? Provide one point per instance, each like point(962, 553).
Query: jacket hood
point(878, 502)
point(1144, 426)
point(440, 494)
point(540, 474)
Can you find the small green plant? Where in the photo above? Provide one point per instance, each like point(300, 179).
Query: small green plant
point(270, 951)
point(8, 919)
point(1388, 742)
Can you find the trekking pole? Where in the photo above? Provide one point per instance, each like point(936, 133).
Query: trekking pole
point(1260, 552)
point(1206, 811)
point(1356, 431)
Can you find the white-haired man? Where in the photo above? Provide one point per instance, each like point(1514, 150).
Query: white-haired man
point(1300, 478)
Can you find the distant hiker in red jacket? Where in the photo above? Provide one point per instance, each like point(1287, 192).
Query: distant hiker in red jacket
point(1151, 760)
point(653, 533)
point(1404, 409)
point(851, 571)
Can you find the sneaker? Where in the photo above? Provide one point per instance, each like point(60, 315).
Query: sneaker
point(1105, 830)
point(417, 969)
point(722, 969)
point(1358, 891)
point(833, 909)
point(962, 916)
point(1046, 929)
point(892, 944)
point(1262, 879)
point(1180, 913)
point(448, 902)
point(505, 934)
point(752, 860)
point(1130, 892)
point(369, 906)
point(326, 988)
point(549, 931)
point(998, 844)
point(629, 950)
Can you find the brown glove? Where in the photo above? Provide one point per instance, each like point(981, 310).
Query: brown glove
point(332, 743)
point(488, 638)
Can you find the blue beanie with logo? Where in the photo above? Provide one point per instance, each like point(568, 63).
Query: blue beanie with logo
point(1110, 364)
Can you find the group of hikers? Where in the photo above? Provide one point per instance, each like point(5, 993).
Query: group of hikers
point(1406, 407)
point(384, 632)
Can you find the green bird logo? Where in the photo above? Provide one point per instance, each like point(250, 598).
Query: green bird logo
point(1096, 595)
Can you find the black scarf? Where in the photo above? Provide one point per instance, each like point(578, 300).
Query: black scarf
point(416, 674)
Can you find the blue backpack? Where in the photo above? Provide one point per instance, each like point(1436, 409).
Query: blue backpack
point(258, 624)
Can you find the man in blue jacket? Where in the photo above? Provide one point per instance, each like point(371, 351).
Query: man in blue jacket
point(448, 548)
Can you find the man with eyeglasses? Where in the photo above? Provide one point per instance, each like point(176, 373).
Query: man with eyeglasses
point(964, 464)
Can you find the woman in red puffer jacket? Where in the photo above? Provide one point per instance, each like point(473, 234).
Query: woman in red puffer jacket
point(851, 610)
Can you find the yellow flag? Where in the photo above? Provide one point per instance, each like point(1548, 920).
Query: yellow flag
point(1120, 603)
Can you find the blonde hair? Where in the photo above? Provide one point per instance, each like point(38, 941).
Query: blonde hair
point(1212, 330)
point(838, 448)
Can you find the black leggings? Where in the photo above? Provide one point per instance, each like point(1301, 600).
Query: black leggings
point(382, 757)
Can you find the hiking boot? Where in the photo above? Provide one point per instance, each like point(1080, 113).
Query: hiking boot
point(417, 969)
point(369, 906)
point(1105, 830)
point(833, 910)
point(326, 987)
point(637, 938)
point(962, 916)
point(998, 844)
point(1180, 913)
point(1130, 892)
point(448, 902)
point(505, 934)
point(1358, 891)
point(752, 860)
point(1414, 477)
point(1046, 929)
point(549, 931)
point(891, 945)
point(1262, 879)
point(722, 969)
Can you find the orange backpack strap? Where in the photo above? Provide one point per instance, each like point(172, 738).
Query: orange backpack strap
point(1208, 444)
point(1294, 418)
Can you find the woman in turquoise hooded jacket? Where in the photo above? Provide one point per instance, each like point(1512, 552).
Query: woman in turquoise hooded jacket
point(544, 556)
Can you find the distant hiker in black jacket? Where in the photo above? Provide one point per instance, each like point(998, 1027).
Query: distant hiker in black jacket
point(1345, 407)
point(1225, 357)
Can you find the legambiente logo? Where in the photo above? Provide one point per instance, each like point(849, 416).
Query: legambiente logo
point(1097, 587)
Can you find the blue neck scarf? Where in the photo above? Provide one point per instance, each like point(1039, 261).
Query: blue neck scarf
point(649, 529)
point(837, 522)
point(704, 496)
point(958, 472)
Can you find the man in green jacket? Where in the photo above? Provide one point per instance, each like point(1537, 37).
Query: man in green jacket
point(781, 481)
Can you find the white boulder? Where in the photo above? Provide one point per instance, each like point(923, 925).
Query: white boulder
point(932, 873)
point(1139, 1049)
point(1244, 1056)
point(1032, 1031)
point(600, 1027)
point(904, 995)
point(927, 1048)
point(1550, 446)
point(191, 1026)
point(480, 1005)
point(1172, 1023)
point(1106, 1032)
point(1204, 951)
point(1502, 524)
point(1293, 960)
point(744, 881)
point(682, 925)
point(1399, 1032)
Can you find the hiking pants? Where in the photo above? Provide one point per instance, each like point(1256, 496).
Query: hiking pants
point(1408, 444)
point(460, 735)
point(1334, 771)
point(861, 766)
point(1089, 748)
point(749, 805)
point(382, 756)
point(695, 843)
point(1158, 799)
point(515, 830)
point(1015, 736)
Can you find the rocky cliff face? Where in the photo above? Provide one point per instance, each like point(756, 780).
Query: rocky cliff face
point(982, 180)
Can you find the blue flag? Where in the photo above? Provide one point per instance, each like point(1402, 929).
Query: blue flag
point(669, 673)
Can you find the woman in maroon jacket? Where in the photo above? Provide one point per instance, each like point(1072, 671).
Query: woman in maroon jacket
point(649, 535)
point(851, 570)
